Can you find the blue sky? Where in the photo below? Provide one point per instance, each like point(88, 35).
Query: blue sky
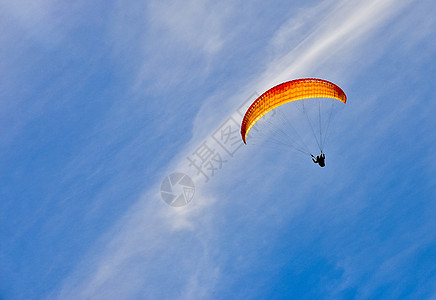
point(101, 100)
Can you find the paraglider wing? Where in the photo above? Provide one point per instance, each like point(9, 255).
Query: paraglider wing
point(287, 92)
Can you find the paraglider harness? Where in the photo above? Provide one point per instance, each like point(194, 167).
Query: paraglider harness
point(320, 159)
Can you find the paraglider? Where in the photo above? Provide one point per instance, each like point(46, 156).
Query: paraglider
point(320, 159)
point(295, 90)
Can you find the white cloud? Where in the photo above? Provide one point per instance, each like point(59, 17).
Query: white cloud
point(149, 231)
point(193, 23)
point(172, 43)
point(342, 30)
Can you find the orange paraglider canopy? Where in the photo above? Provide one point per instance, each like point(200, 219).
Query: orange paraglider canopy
point(287, 92)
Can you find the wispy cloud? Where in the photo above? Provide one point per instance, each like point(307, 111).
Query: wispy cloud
point(194, 24)
point(343, 29)
point(170, 44)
